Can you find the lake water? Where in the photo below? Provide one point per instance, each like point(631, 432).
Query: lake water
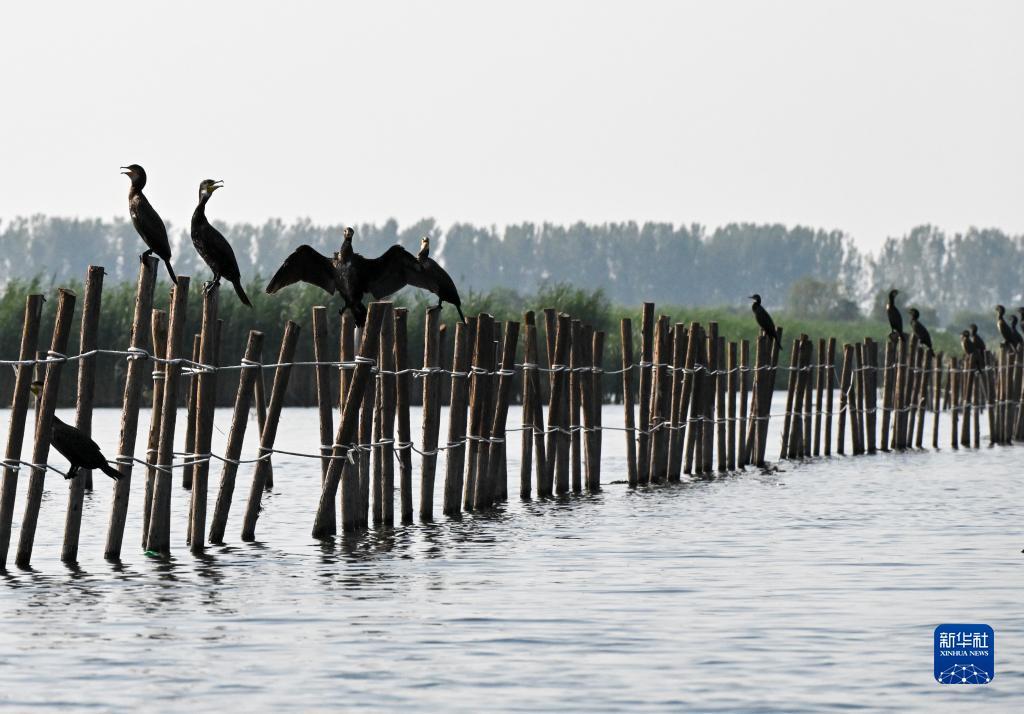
point(815, 587)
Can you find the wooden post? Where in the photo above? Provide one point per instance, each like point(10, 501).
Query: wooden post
point(922, 396)
point(626, 335)
point(239, 420)
point(888, 382)
point(899, 392)
point(192, 380)
point(402, 384)
point(526, 445)
point(744, 381)
point(753, 427)
point(159, 337)
point(711, 384)
point(585, 381)
point(597, 362)
point(130, 410)
point(659, 408)
point(769, 387)
point(205, 401)
point(967, 379)
point(506, 380)
point(954, 398)
point(819, 386)
point(324, 401)
point(456, 454)
point(83, 415)
point(677, 434)
point(479, 423)
point(44, 425)
point(830, 377)
point(937, 398)
point(19, 410)
point(558, 409)
point(386, 450)
point(158, 537)
point(431, 410)
point(844, 397)
point(269, 434)
point(367, 417)
point(857, 410)
point(533, 357)
point(575, 442)
point(734, 377)
point(871, 393)
point(694, 422)
point(796, 436)
point(721, 380)
point(261, 419)
point(347, 352)
point(912, 391)
point(646, 356)
point(347, 426)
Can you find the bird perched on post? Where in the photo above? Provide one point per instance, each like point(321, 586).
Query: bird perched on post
point(353, 275)
point(431, 276)
point(968, 344)
point(145, 219)
point(1018, 341)
point(80, 451)
point(893, 313)
point(1004, 328)
point(213, 247)
point(920, 330)
point(979, 349)
point(764, 320)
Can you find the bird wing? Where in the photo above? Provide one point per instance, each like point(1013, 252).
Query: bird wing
point(436, 279)
point(150, 226)
point(390, 272)
point(306, 265)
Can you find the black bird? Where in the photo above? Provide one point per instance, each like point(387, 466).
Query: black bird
point(1004, 327)
point(80, 451)
point(895, 319)
point(212, 246)
point(146, 221)
point(1018, 341)
point(353, 275)
point(979, 349)
point(764, 320)
point(920, 330)
point(431, 276)
point(968, 344)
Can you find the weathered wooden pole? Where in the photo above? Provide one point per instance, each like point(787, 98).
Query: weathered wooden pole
point(808, 407)
point(796, 434)
point(769, 387)
point(646, 356)
point(899, 393)
point(135, 376)
point(431, 410)
point(830, 377)
point(192, 382)
point(540, 452)
point(744, 382)
point(721, 380)
point(597, 362)
point(324, 401)
point(236, 436)
point(922, 396)
point(936, 398)
point(19, 410)
point(44, 425)
point(626, 335)
point(83, 414)
point(871, 394)
point(269, 434)
point(844, 397)
point(711, 384)
point(159, 337)
point(694, 422)
point(819, 386)
point(456, 453)
point(403, 382)
point(787, 423)
point(526, 445)
point(158, 537)
point(558, 409)
point(386, 451)
point(205, 401)
point(575, 442)
point(261, 419)
point(586, 387)
point(888, 389)
point(367, 420)
point(659, 417)
point(681, 347)
point(753, 427)
point(954, 398)
point(479, 417)
point(733, 382)
point(323, 527)
point(857, 400)
point(967, 379)
point(506, 380)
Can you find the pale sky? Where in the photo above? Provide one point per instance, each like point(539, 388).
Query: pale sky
point(871, 117)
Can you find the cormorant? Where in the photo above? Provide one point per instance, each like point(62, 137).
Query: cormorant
point(1018, 341)
point(213, 247)
point(920, 330)
point(353, 275)
point(80, 451)
point(895, 319)
point(1004, 327)
point(764, 320)
point(979, 348)
point(146, 221)
point(431, 276)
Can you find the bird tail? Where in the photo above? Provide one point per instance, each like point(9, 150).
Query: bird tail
point(461, 316)
point(777, 341)
point(110, 471)
point(241, 293)
point(170, 270)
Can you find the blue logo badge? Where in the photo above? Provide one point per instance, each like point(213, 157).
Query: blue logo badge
point(965, 654)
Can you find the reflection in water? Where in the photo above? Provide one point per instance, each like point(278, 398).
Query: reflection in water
point(703, 594)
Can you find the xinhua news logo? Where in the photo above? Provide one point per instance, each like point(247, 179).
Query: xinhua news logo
point(965, 654)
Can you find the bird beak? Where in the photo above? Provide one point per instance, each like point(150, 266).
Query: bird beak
point(127, 171)
point(216, 184)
